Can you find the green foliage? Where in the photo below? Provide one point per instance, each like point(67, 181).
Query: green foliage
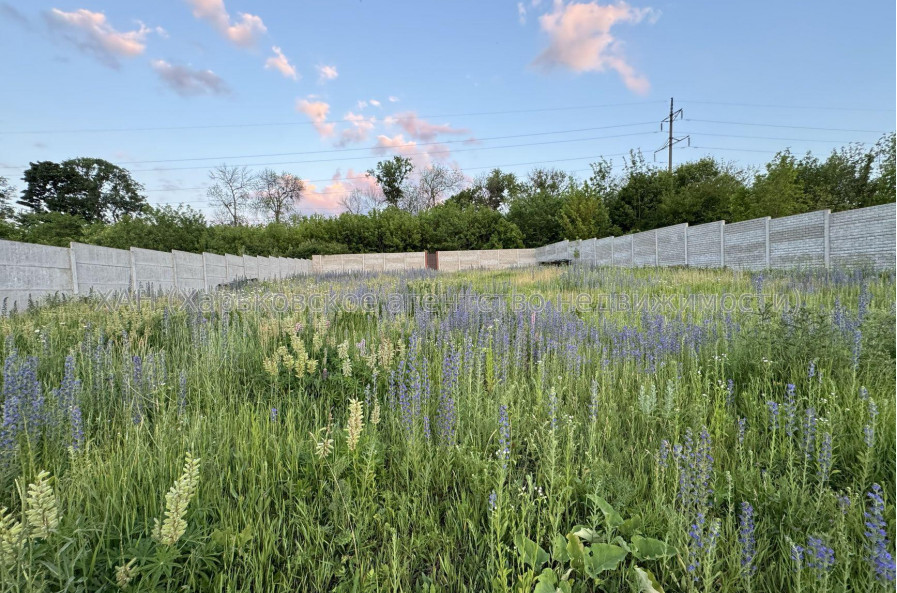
point(94, 189)
point(391, 176)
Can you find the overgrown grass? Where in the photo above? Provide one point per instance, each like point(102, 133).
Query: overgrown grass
point(499, 449)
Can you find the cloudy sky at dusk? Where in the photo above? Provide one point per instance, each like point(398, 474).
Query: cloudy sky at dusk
point(325, 89)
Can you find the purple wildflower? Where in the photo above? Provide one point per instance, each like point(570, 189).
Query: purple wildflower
point(819, 557)
point(746, 538)
point(877, 544)
point(504, 436)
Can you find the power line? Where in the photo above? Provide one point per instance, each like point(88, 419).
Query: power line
point(779, 106)
point(741, 123)
point(310, 123)
point(736, 149)
point(374, 147)
point(774, 138)
point(431, 152)
point(355, 177)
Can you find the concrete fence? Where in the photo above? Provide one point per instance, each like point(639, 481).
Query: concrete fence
point(821, 239)
point(29, 271)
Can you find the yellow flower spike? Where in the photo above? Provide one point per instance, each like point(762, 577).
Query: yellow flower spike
point(178, 498)
point(356, 423)
point(41, 511)
point(11, 539)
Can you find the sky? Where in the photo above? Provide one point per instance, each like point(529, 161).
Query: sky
point(325, 89)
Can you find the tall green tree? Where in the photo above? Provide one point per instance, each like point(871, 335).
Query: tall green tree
point(702, 192)
point(636, 204)
point(584, 213)
point(93, 189)
point(391, 176)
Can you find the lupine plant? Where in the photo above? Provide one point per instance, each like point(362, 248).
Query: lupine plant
point(445, 438)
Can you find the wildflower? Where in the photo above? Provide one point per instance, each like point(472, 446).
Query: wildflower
point(374, 417)
point(664, 455)
point(811, 372)
point(796, 554)
point(345, 362)
point(824, 456)
point(504, 436)
point(844, 503)
point(869, 428)
point(878, 546)
point(809, 432)
point(41, 510)
point(324, 446)
point(790, 406)
point(493, 501)
point(773, 408)
point(593, 404)
point(178, 498)
point(703, 544)
point(741, 424)
point(271, 365)
point(730, 393)
point(11, 540)
point(125, 573)
point(746, 538)
point(819, 557)
point(273, 414)
point(355, 424)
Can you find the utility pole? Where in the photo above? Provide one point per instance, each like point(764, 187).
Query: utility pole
point(673, 116)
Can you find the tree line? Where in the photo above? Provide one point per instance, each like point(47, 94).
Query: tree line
point(436, 207)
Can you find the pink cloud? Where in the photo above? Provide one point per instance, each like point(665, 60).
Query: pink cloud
point(317, 112)
point(420, 129)
point(421, 156)
point(328, 199)
point(243, 32)
point(280, 63)
point(580, 39)
point(91, 32)
point(360, 128)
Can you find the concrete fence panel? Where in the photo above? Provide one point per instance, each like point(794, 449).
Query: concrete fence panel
point(216, 269)
point(153, 270)
point(865, 236)
point(526, 257)
point(604, 251)
point(799, 240)
point(100, 269)
point(623, 251)
point(671, 245)
point(236, 269)
point(34, 271)
point(644, 249)
point(251, 267)
point(747, 244)
point(705, 244)
point(189, 272)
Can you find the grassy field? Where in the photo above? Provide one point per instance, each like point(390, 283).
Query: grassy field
point(465, 432)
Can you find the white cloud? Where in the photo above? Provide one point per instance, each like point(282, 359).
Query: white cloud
point(521, 13)
point(580, 39)
point(244, 32)
point(327, 73)
point(92, 33)
point(393, 99)
point(188, 82)
point(374, 102)
point(280, 63)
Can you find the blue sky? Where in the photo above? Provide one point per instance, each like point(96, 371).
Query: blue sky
point(168, 89)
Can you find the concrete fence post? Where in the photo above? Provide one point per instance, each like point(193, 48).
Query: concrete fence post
point(74, 270)
point(656, 259)
point(133, 272)
point(826, 237)
point(685, 240)
point(205, 275)
point(722, 244)
point(766, 231)
point(174, 270)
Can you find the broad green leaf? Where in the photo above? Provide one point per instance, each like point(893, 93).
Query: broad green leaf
point(546, 582)
point(530, 552)
point(646, 581)
point(612, 517)
point(575, 551)
point(631, 526)
point(559, 548)
point(587, 534)
point(648, 548)
point(602, 557)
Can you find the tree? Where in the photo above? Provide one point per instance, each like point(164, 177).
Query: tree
point(231, 193)
point(885, 152)
point(432, 185)
point(775, 192)
point(277, 195)
point(391, 176)
point(635, 205)
point(536, 207)
point(93, 189)
point(362, 201)
point(703, 191)
point(7, 192)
